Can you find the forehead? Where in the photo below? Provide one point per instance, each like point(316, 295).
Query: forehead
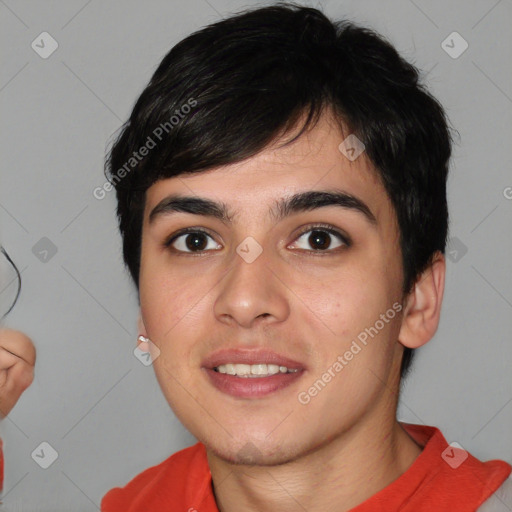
point(312, 162)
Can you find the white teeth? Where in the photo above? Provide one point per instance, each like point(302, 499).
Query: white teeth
point(258, 369)
point(252, 370)
point(272, 369)
point(242, 369)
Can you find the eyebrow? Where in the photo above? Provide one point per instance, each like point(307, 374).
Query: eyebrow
point(281, 208)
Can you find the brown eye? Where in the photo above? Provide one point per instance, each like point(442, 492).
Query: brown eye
point(191, 241)
point(321, 239)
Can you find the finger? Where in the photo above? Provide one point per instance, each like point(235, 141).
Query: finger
point(18, 344)
point(8, 359)
point(18, 379)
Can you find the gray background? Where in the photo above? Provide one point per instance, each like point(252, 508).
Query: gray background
point(92, 400)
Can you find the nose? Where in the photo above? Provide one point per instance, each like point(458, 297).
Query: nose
point(251, 293)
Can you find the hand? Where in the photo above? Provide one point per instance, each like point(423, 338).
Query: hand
point(17, 360)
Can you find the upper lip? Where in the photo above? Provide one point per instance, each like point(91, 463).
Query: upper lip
point(241, 356)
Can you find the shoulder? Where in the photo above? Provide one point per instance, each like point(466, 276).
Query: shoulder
point(450, 475)
point(169, 478)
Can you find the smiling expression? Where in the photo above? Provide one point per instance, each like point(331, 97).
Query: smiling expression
point(230, 260)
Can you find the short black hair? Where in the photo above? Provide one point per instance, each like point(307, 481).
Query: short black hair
point(224, 93)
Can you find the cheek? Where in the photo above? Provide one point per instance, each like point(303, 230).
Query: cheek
point(350, 301)
point(355, 320)
point(166, 294)
point(171, 308)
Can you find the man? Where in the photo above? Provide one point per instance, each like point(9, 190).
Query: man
point(281, 188)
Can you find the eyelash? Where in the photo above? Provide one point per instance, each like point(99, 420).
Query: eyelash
point(327, 228)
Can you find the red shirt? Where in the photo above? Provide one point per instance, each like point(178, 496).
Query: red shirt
point(1, 466)
point(441, 478)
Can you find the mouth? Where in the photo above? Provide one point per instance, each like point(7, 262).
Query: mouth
point(250, 373)
point(253, 371)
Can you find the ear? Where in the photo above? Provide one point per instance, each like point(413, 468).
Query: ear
point(423, 308)
point(141, 328)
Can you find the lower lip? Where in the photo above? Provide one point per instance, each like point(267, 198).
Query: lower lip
point(251, 387)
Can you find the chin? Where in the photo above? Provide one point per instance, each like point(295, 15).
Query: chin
point(249, 452)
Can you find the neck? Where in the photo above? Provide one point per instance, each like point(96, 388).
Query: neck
point(338, 475)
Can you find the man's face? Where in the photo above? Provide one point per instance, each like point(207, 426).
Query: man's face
point(309, 296)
